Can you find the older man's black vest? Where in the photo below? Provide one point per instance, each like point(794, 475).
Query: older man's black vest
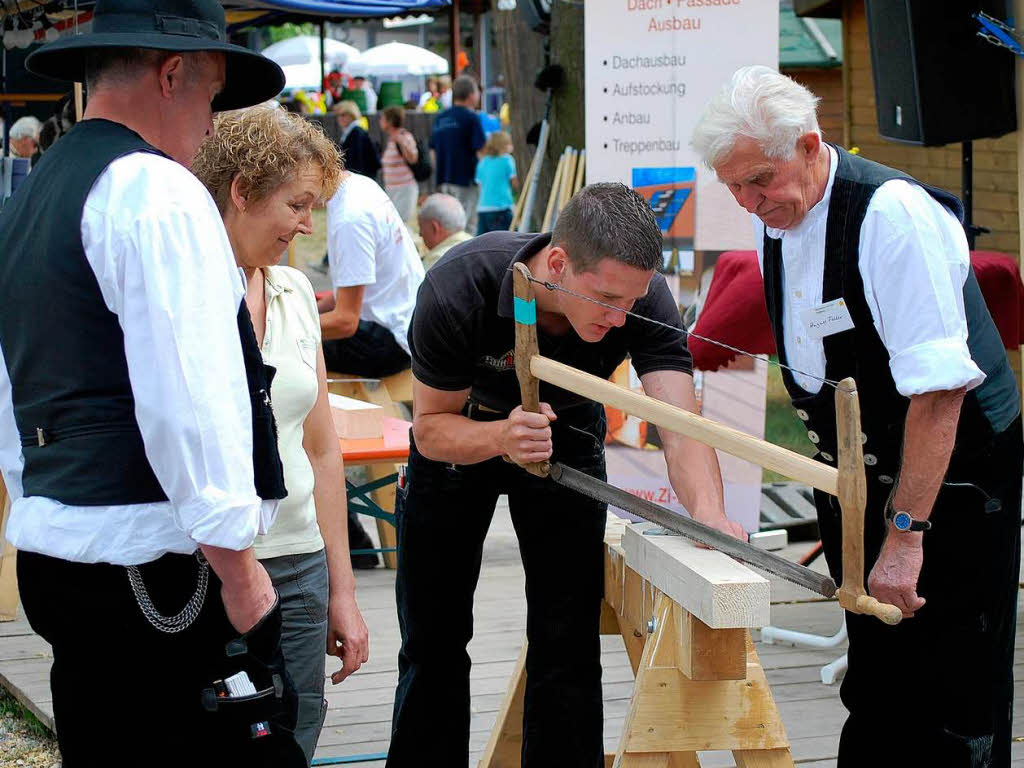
point(64, 349)
point(859, 352)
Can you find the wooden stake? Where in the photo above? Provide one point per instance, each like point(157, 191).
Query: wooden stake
point(853, 494)
point(517, 212)
point(78, 102)
point(716, 435)
point(526, 350)
point(555, 185)
point(580, 172)
point(568, 179)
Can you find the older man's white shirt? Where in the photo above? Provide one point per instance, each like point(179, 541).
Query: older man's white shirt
point(913, 261)
point(155, 241)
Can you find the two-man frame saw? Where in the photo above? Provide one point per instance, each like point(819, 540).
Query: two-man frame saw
point(848, 483)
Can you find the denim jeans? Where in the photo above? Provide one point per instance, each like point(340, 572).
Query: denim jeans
point(442, 517)
point(492, 221)
point(371, 351)
point(301, 582)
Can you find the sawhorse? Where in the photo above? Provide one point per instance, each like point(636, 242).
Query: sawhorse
point(684, 615)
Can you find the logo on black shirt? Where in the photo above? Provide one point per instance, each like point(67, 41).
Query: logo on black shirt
point(505, 362)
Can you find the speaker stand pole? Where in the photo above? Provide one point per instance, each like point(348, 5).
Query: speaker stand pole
point(967, 190)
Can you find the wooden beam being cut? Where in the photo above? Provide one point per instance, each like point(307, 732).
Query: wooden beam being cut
point(719, 591)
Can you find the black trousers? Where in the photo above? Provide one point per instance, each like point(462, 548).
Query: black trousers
point(371, 351)
point(442, 517)
point(126, 694)
point(937, 689)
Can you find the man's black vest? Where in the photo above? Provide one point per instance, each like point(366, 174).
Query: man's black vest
point(859, 352)
point(64, 349)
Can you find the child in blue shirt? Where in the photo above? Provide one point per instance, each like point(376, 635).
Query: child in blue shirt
point(496, 175)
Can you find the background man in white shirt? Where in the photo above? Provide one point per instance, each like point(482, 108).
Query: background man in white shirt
point(375, 273)
point(148, 402)
point(886, 259)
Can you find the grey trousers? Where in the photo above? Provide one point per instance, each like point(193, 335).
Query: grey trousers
point(468, 196)
point(301, 581)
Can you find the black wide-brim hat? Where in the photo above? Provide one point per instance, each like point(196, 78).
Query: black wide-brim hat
point(165, 25)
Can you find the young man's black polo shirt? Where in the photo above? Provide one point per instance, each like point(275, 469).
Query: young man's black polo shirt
point(462, 333)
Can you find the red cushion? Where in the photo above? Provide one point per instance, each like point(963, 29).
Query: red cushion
point(735, 312)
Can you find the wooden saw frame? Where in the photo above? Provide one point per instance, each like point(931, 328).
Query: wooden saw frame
point(683, 612)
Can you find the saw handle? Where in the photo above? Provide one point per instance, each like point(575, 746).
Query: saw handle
point(526, 347)
point(869, 606)
point(852, 493)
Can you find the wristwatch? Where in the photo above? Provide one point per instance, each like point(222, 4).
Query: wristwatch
point(904, 523)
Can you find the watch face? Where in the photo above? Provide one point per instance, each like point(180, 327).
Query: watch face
point(902, 521)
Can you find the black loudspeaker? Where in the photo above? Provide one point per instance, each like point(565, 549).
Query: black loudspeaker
point(936, 81)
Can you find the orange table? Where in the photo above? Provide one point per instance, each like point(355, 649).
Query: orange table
point(392, 448)
point(380, 454)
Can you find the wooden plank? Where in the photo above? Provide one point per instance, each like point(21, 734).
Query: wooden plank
point(504, 748)
point(719, 436)
point(8, 563)
point(716, 589)
point(709, 654)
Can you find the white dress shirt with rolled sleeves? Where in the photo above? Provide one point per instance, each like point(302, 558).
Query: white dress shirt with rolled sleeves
point(156, 243)
point(913, 261)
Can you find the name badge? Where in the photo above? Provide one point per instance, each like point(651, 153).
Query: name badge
point(827, 319)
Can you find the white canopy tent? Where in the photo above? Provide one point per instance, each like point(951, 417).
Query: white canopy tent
point(395, 60)
point(304, 50)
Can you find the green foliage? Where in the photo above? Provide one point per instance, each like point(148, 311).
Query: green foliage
point(283, 32)
point(11, 707)
point(781, 425)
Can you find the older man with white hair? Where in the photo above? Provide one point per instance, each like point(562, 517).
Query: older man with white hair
point(25, 137)
point(442, 223)
point(867, 274)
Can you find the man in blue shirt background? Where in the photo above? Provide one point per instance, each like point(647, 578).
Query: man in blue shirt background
point(456, 139)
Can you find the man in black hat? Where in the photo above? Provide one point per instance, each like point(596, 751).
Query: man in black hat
point(136, 436)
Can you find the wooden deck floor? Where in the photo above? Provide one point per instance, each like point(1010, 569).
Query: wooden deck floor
point(359, 718)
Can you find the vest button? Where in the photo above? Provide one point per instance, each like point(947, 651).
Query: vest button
point(802, 414)
point(813, 437)
point(870, 459)
point(826, 456)
point(863, 439)
point(885, 479)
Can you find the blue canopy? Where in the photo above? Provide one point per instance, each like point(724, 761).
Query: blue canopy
point(343, 8)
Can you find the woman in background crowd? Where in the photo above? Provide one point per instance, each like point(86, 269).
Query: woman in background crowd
point(267, 169)
point(399, 153)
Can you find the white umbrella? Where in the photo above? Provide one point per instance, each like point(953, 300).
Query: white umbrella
point(397, 60)
point(302, 76)
point(304, 50)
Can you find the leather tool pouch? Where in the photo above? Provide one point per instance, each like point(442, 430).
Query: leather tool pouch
point(263, 722)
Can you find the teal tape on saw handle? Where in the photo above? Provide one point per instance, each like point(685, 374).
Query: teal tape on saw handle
point(525, 311)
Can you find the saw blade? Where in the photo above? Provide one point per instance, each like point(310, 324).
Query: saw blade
point(691, 529)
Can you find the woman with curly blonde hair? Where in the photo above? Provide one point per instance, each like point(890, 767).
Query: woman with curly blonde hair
point(266, 170)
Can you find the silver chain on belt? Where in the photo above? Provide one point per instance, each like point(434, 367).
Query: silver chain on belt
point(183, 620)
